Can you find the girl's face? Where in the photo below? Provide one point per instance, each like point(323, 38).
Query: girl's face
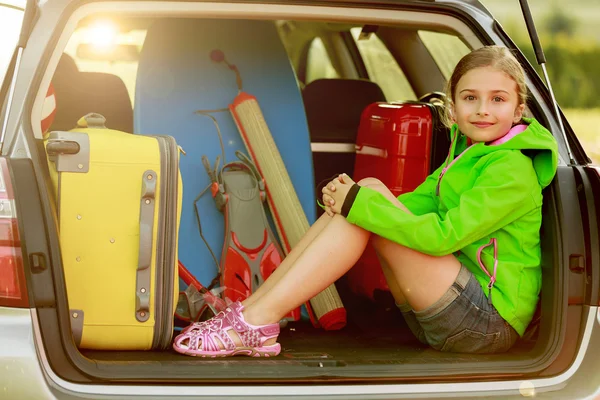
point(486, 104)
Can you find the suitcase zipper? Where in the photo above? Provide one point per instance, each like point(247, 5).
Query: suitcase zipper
point(163, 324)
point(171, 228)
point(171, 243)
point(159, 300)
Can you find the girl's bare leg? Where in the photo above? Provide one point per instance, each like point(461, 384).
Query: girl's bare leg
point(412, 276)
point(387, 272)
point(422, 279)
point(391, 281)
point(330, 254)
point(291, 258)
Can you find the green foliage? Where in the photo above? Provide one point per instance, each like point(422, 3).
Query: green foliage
point(586, 125)
point(558, 22)
point(571, 41)
point(573, 72)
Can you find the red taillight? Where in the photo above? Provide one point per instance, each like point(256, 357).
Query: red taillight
point(13, 288)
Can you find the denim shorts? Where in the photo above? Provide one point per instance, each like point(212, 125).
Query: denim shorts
point(462, 320)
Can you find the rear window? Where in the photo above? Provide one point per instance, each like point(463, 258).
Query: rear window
point(383, 68)
point(319, 65)
point(446, 50)
point(103, 46)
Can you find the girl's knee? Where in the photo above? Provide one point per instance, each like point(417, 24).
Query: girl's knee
point(381, 244)
point(370, 182)
point(377, 185)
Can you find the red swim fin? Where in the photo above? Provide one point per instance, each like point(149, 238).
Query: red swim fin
point(250, 251)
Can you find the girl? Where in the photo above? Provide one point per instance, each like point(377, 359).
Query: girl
point(461, 253)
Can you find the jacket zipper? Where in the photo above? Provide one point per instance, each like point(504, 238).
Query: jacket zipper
point(437, 188)
point(493, 242)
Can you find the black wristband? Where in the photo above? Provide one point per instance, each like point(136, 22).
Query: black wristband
point(349, 200)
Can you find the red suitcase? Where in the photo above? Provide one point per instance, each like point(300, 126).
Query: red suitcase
point(396, 144)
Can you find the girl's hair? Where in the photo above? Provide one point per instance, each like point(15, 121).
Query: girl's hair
point(496, 57)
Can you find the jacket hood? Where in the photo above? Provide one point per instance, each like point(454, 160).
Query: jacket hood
point(531, 139)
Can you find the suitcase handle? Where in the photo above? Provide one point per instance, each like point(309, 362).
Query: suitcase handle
point(143, 274)
point(371, 151)
point(56, 147)
point(69, 151)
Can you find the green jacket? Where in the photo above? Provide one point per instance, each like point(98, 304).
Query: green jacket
point(484, 199)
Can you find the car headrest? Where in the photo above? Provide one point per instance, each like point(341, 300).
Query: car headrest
point(66, 66)
point(334, 107)
point(81, 93)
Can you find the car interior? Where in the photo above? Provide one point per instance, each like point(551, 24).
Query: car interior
point(339, 69)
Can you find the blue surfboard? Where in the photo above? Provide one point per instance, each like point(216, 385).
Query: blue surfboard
point(176, 77)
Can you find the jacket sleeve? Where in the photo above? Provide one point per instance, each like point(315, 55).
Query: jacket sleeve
point(422, 200)
point(500, 195)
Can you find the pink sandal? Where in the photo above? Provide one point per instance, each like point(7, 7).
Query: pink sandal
point(204, 339)
point(198, 325)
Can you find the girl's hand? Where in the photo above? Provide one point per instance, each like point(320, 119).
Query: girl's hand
point(335, 192)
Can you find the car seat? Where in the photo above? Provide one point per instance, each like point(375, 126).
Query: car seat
point(79, 93)
point(333, 110)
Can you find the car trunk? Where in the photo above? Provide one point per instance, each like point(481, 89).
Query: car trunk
point(375, 345)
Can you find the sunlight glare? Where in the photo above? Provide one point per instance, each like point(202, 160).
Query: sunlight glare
point(102, 35)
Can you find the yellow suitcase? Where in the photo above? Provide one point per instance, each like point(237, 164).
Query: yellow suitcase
point(119, 204)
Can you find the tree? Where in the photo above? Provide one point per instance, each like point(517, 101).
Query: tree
point(558, 22)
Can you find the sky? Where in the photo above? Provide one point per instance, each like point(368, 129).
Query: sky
point(10, 23)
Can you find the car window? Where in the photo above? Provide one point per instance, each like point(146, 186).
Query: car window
point(318, 64)
point(102, 46)
point(103, 57)
point(445, 49)
point(383, 68)
point(11, 17)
